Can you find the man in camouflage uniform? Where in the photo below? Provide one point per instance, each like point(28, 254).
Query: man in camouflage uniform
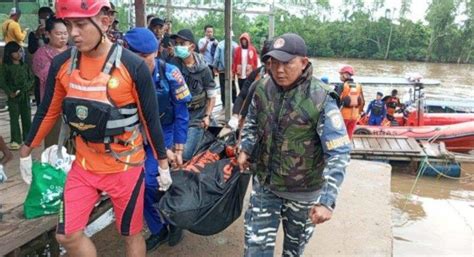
point(296, 135)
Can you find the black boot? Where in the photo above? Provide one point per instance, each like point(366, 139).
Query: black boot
point(176, 235)
point(154, 241)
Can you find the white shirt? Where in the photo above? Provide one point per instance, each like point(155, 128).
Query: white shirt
point(245, 53)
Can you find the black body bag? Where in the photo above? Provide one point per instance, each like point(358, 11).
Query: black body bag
point(202, 202)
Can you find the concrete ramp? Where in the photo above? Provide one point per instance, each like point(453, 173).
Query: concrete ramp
point(362, 221)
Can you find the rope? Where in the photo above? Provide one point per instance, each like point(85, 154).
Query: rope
point(420, 171)
point(444, 175)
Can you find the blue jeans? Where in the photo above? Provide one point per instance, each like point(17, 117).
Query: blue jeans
point(262, 220)
point(195, 135)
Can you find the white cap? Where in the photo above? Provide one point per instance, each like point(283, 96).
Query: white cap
point(13, 11)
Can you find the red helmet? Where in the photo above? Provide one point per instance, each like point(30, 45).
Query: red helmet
point(79, 8)
point(347, 69)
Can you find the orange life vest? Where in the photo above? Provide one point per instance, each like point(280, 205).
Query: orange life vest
point(92, 115)
point(352, 101)
point(392, 103)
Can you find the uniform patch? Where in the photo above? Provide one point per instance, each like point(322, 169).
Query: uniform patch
point(182, 92)
point(279, 43)
point(178, 76)
point(113, 83)
point(82, 112)
point(338, 142)
point(336, 119)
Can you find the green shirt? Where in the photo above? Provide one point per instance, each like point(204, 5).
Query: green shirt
point(16, 77)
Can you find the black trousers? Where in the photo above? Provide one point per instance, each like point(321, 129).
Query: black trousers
point(241, 83)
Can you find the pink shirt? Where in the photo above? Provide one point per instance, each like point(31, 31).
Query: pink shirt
point(42, 60)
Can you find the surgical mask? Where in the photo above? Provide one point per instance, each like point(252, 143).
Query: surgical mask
point(182, 52)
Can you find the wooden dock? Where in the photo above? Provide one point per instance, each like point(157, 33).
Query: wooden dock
point(399, 148)
point(22, 237)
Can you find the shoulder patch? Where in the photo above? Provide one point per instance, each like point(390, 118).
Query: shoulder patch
point(335, 118)
point(178, 76)
point(338, 142)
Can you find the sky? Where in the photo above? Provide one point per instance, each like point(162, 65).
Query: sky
point(417, 11)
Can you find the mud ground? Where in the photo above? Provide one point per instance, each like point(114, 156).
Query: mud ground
point(361, 225)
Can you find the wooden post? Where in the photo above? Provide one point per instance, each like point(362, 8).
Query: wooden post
point(228, 58)
point(140, 17)
point(168, 9)
point(271, 20)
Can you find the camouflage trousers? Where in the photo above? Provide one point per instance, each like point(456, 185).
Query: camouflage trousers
point(262, 220)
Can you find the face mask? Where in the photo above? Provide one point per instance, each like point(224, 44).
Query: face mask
point(181, 52)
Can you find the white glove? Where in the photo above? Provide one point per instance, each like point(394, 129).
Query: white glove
point(3, 176)
point(25, 168)
point(233, 123)
point(164, 179)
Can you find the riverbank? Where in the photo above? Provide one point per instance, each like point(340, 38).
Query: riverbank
point(361, 225)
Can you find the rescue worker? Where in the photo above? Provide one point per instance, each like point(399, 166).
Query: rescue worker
point(352, 99)
point(105, 94)
point(173, 95)
point(392, 102)
point(200, 81)
point(296, 135)
point(376, 110)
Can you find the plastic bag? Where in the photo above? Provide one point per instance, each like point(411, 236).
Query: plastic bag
point(50, 156)
point(46, 190)
point(3, 176)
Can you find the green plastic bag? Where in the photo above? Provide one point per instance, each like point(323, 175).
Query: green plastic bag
point(46, 191)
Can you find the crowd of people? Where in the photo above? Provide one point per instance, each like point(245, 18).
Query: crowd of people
point(138, 104)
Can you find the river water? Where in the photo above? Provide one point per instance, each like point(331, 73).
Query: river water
point(437, 219)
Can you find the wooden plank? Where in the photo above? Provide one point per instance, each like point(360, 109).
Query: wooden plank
point(384, 144)
point(430, 151)
point(403, 143)
point(393, 144)
point(366, 143)
point(414, 144)
point(358, 145)
point(374, 145)
point(23, 231)
point(12, 197)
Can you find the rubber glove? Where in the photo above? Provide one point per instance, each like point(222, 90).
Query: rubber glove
point(164, 179)
point(25, 168)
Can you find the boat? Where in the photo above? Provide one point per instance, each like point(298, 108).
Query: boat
point(448, 106)
point(418, 119)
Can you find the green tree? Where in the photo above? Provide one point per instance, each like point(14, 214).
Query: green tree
point(440, 17)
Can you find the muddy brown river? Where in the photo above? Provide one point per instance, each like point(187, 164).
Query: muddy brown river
point(437, 219)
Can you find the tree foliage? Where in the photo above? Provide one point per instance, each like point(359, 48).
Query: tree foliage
point(361, 32)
